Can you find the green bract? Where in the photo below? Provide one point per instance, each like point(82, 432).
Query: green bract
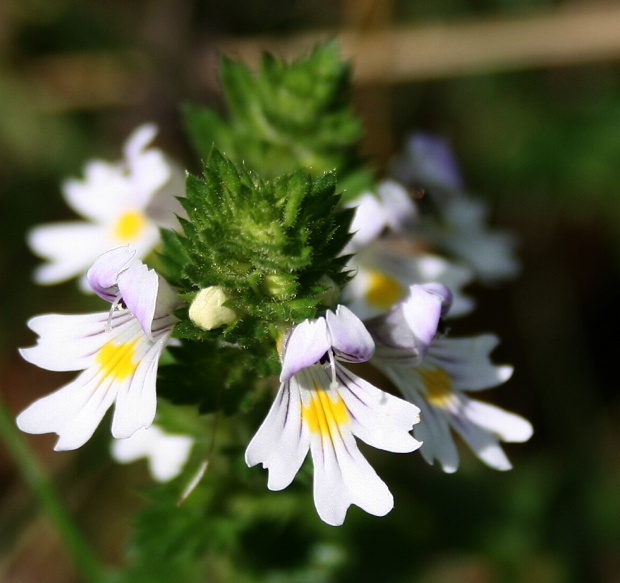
point(273, 246)
point(286, 116)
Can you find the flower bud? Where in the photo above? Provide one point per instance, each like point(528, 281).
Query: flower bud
point(281, 286)
point(207, 310)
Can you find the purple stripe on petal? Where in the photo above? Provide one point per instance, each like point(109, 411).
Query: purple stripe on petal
point(348, 335)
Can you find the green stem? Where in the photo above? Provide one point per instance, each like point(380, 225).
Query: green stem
point(45, 493)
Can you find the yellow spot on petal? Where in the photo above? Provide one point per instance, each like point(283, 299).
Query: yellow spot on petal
point(324, 415)
point(117, 360)
point(383, 290)
point(129, 226)
point(438, 386)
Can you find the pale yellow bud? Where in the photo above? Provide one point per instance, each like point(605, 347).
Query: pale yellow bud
point(207, 310)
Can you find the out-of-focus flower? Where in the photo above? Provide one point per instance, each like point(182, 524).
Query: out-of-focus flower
point(386, 266)
point(455, 223)
point(428, 162)
point(434, 373)
point(391, 208)
point(463, 232)
point(321, 407)
point(166, 453)
point(118, 352)
point(385, 271)
point(115, 198)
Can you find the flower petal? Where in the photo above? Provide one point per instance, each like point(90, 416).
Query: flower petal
point(400, 210)
point(437, 442)
point(104, 273)
point(368, 222)
point(150, 172)
point(306, 345)
point(378, 418)
point(73, 412)
point(104, 191)
point(136, 404)
point(342, 477)
point(505, 425)
point(69, 342)
point(166, 453)
point(429, 161)
point(348, 336)
point(483, 443)
point(148, 167)
point(467, 361)
point(139, 139)
point(282, 441)
point(404, 334)
point(491, 253)
point(433, 429)
point(70, 249)
point(422, 311)
point(139, 287)
point(434, 269)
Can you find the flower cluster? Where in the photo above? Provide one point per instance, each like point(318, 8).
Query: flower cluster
point(453, 222)
point(284, 274)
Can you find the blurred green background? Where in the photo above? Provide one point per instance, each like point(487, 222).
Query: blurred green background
point(541, 143)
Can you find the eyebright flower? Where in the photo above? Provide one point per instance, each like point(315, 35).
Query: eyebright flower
point(116, 200)
point(463, 232)
point(386, 264)
point(166, 453)
point(428, 162)
point(386, 270)
point(391, 208)
point(434, 372)
point(321, 406)
point(458, 224)
point(118, 352)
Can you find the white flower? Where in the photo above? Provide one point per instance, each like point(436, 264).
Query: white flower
point(386, 270)
point(434, 373)
point(386, 266)
point(322, 407)
point(463, 232)
point(166, 453)
point(114, 198)
point(118, 352)
point(391, 208)
point(458, 224)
